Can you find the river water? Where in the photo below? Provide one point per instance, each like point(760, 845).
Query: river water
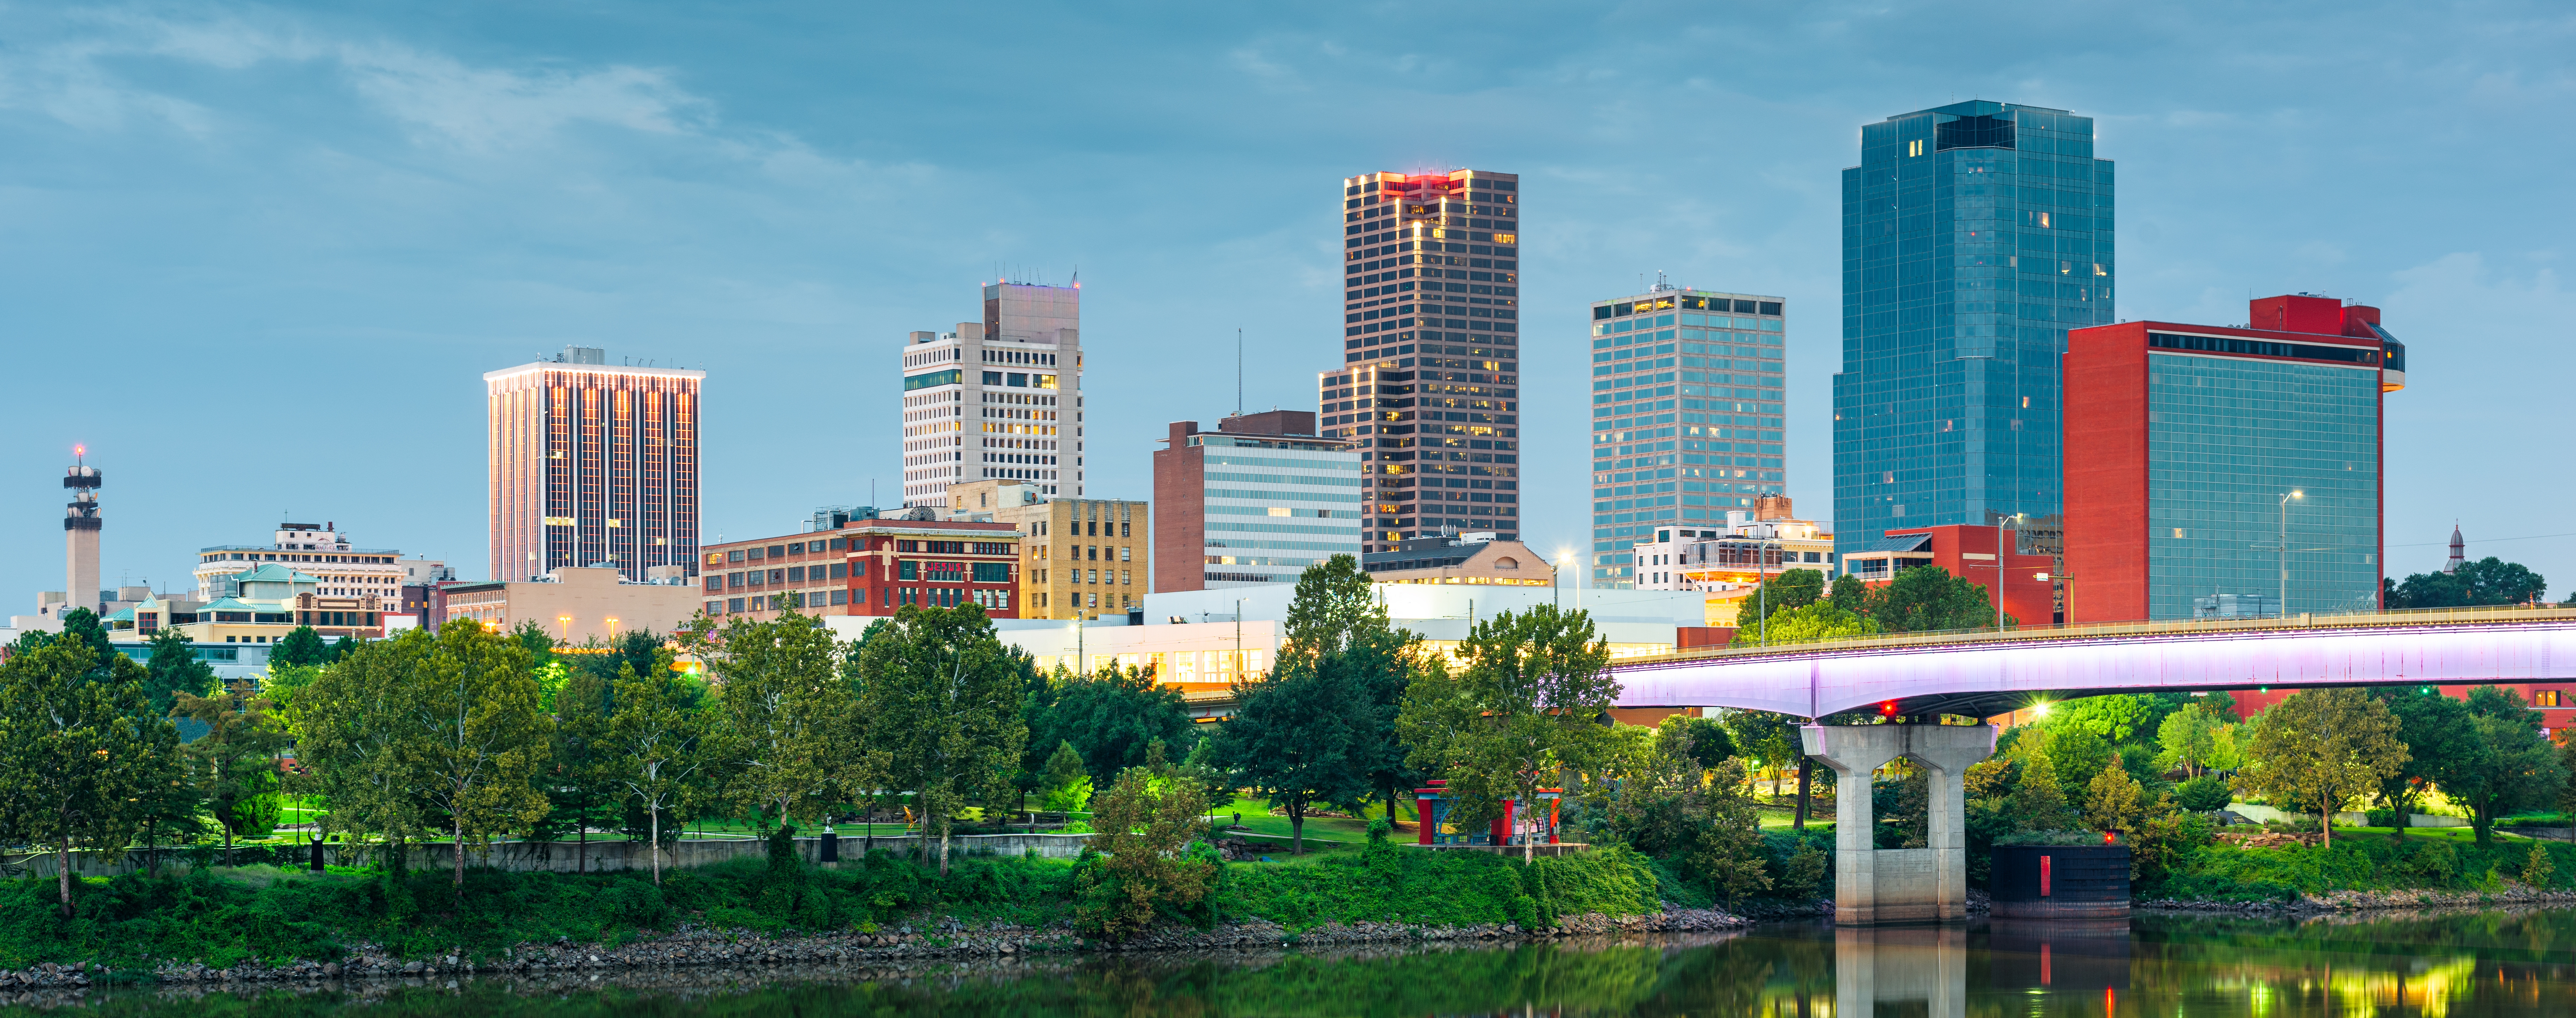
point(2493, 963)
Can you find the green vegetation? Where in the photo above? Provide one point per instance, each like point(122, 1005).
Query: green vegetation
point(2437, 859)
point(1523, 711)
point(2489, 580)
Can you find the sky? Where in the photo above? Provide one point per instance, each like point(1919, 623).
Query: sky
point(257, 257)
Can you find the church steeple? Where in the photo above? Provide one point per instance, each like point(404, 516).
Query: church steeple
point(2459, 550)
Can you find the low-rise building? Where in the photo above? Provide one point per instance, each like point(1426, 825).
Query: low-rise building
point(1066, 563)
point(865, 567)
point(1968, 551)
point(321, 551)
point(1476, 559)
point(573, 605)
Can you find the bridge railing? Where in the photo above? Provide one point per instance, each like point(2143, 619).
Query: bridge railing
point(2404, 617)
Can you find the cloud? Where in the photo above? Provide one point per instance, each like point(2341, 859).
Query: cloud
point(436, 98)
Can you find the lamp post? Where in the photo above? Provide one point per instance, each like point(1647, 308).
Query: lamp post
point(2282, 611)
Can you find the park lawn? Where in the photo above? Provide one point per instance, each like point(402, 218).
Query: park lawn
point(1258, 823)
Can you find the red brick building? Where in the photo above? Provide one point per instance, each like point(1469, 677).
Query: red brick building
point(867, 567)
point(1967, 551)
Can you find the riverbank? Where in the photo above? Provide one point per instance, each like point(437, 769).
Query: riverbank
point(2371, 901)
point(943, 940)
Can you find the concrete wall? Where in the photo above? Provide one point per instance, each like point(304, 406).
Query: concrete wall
point(569, 856)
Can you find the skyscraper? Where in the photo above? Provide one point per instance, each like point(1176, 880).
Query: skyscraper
point(1000, 398)
point(1429, 388)
point(592, 465)
point(1686, 416)
point(1974, 236)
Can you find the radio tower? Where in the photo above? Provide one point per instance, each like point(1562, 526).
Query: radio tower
point(80, 534)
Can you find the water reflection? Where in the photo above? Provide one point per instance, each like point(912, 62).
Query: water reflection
point(2483, 963)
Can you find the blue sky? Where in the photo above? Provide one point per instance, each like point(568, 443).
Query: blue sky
point(257, 257)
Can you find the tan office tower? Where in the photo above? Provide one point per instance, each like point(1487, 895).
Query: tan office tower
point(999, 399)
point(592, 465)
point(1429, 387)
point(80, 538)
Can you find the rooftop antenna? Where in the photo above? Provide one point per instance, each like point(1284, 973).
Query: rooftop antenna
point(1238, 372)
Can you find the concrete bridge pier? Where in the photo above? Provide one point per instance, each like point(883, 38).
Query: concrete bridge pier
point(1899, 885)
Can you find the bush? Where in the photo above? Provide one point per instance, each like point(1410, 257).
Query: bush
point(2204, 794)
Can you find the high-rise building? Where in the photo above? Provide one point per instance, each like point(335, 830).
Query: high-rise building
point(1430, 384)
point(592, 465)
point(1974, 236)
point(1000, 398)
point(1687, 398)
point(1255, 501)
point(2212, 470)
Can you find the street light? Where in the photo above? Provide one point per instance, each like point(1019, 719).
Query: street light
point(2070, 591)
point(2283, 611)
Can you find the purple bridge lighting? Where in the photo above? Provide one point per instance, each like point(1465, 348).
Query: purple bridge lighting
point(1984, 678)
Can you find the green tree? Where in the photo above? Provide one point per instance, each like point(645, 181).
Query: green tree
point(1337, 622)
point(2077, 753)
point(2322, 748)
point(340, 648)
point(786, 712)
point(79, 754)
point(659, 746)
point(1527, 705)
point(2039, 798)
point(1809, 623)
point(2118, 717)
point(1792, 589)
point(2187, 740)
point(2113, 800)
point(2487, 581)
point(1765, 738)
point(582, 780)
point(2511, 765)
point(2438, 737)
point(353, 725)
point(482, 738)
point(1927, 599)
point(1066, 786)
point(1111, 716)
point(174, 669)
point(300, 646)
point(235, 762)
point(84, 626)
point(942, 703)
point(1673, 793)
point(1850, 593)
point(1292, 741)
point(1144, 823)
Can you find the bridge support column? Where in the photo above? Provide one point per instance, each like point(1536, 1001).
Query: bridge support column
point(1873, 885)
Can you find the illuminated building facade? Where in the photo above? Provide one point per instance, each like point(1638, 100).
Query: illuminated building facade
point(1255, 501)
point(997, 399)
point(1428, 391)
point(592, 465)
point(1687, 416)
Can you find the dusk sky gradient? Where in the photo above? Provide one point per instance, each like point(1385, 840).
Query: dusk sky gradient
point(257, 257)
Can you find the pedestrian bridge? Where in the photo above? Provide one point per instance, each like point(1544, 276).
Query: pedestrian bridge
point(1980, 674)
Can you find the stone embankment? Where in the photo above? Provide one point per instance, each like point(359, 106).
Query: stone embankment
point(942, 940)
point(2367, 901)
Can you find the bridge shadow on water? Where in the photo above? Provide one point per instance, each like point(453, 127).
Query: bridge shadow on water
point(2497, 963)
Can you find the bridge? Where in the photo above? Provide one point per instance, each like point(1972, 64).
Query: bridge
point(1983, 673)
point(1979, 674)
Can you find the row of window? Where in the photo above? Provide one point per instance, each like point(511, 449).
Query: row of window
point(1742, 307)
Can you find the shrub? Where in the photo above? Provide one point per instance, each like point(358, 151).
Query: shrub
point(2204, 794)
point(2537, 869)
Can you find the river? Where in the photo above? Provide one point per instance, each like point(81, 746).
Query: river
point(2486, 963)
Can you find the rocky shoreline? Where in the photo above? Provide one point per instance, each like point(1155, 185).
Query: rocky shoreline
point(2368, 901)
point(938, 941)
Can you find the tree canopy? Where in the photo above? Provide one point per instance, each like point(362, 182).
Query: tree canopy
point(1526, 706)
point(2486, 581)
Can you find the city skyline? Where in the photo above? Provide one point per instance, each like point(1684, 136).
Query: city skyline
point(409, 281)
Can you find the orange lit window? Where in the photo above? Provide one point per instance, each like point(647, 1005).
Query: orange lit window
point(2545, 698)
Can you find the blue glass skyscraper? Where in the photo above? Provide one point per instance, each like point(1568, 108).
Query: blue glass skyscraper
point(1974, 236)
